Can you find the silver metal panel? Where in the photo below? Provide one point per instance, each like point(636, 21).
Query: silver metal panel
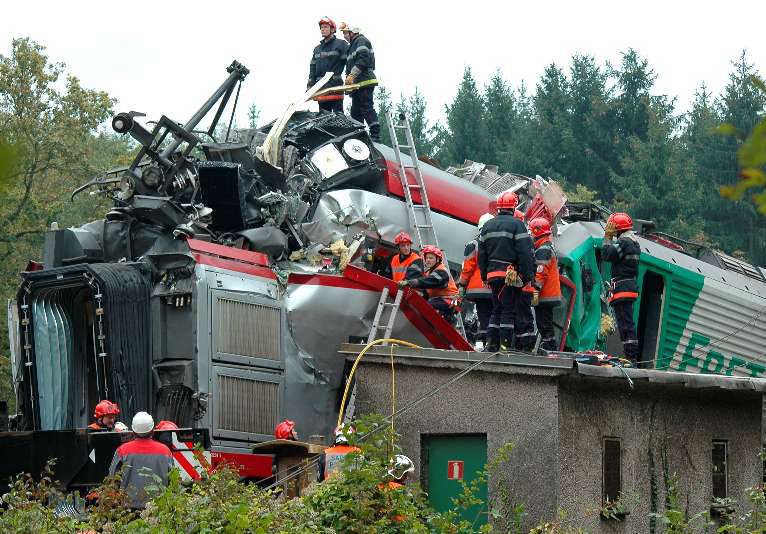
point(345, 212)
point(248, 329)
point(246, 403)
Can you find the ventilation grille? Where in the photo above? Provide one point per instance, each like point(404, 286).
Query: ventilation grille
point(246, 405)
point(248, 329)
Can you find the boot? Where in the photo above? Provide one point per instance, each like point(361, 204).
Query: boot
point(492, 345)
point(506, 345)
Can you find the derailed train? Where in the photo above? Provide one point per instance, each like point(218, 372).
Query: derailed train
point(216, 294)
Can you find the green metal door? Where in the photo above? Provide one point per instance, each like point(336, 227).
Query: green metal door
point(450, 459)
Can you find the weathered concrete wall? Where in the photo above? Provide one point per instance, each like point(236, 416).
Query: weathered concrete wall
point(520, 407)
point(664, 431)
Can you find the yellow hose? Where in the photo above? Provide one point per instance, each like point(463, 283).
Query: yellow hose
point(356, 362)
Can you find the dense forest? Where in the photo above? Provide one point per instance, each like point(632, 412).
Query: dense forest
point(599, 129)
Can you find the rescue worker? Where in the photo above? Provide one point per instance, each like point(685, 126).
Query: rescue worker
point(105, 413)
point(360, 67)
point(437, 282)
point(166, 425)
point(401, 467)
point(506, 264)
point(407, 264)
point(329, 56)
point(141, 462)
point(472, 287)
point(334, 455)
point(547, 285)
point(286, 430)
point(622, 250)
point(523, 318)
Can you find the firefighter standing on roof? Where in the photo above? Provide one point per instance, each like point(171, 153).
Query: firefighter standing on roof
point(360, 68)
point(506, 264)
point(472, 287)
point(438, 283)
point(547, 284)
point(329, 56)
point(406, 265)
point(622, 250)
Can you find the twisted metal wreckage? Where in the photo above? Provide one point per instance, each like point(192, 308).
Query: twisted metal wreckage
point(218, 289)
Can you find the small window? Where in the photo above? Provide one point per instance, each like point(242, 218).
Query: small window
point(720, 474)
point(612, 465)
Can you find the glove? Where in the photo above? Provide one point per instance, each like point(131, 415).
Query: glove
point(349, 79)
point(535, 297)
point(461, 291)
point(512, 278)
point(610, 230)
point(404, 283)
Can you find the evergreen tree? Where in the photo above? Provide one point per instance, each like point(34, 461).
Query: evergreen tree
point(253, 113)
point(383, 101)
point(500, 118)
point(466, 126)
point(634, 82)
point(553, 135)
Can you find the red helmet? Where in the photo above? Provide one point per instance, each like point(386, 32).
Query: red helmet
point(621, 221)
point(507, 200)
point(166, 425)
point(402, 237)
point(285, 430)
point(430, 249)
point(105, 407)
point(540, 227)
point(328, 20)
point(519, 215)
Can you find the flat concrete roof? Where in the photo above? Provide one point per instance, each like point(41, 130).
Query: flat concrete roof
point(523, 363)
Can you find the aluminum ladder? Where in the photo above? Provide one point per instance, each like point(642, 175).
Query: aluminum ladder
point(379, 322)
point(419, 213)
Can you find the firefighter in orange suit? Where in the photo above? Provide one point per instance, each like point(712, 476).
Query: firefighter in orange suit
point(333, 456)
point(437, 281)
point(547, 285)
point(407, 265)
point(106, 413)
point(472, 287)
point(622, 250)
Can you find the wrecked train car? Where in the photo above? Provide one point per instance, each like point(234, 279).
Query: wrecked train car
point(213, 293)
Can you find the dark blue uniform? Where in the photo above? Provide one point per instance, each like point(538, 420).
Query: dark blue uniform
point(330, 55)
point(361, 64)
point(624, 254)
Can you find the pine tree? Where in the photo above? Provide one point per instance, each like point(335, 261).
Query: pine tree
point(500, 118)
point(383, 101)
point(466, 126)
point(253, 113)
point(634, 83)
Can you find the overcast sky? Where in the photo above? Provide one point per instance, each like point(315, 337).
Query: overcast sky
point(167, 57)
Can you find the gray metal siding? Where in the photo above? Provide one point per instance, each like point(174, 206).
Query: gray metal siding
point(248, 329)
point(247, 403)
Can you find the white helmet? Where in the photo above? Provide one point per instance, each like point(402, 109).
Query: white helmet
point(341, 432)
point(484, 218)
point(401, 467)
point(344, 27)
point(143, 424)
point(119, 426)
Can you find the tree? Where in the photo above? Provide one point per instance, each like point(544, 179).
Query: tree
point(467, 136)
point(424, 135)
point(383, 98)
point(47, 121)
point(253, 114)
point(500, 118)
point(634, 83)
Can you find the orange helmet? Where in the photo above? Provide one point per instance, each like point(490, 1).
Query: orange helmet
point(402, 237)
point(166, 425)
point(507, 200)
point(540, 227)
point(285, 430)
point(328, 21)
point(519, 215)
point(430, 249)
point(105, 407)
point(621, 221)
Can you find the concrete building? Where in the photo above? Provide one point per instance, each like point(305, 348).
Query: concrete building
point(582, 433)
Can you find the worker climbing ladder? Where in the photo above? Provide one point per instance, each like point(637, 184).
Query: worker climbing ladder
point(419, 212)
